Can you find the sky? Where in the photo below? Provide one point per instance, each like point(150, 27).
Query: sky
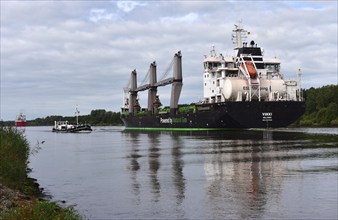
point(59, 55)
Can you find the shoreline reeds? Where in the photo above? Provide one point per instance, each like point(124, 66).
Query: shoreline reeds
point(20, 194)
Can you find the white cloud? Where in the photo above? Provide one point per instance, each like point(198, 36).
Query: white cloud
point(128, 6)
point(191, 17)
point(52, 61)
point(96, 15)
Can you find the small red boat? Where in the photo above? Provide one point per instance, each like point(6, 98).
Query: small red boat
point(20, 120)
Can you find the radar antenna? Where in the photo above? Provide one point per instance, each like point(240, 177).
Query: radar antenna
point(239, 35)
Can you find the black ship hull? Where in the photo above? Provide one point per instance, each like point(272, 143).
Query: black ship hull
point(219, 116)
point(76, 129)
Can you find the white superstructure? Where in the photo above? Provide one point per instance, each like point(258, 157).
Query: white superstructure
point(247, 76)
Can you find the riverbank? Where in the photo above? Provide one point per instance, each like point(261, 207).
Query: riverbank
point(20, 195)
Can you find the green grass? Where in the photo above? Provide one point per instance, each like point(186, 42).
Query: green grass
point(40, 210)
point(14, 153)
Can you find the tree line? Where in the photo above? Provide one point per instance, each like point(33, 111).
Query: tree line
point(321, 111)
point(321, 106)
point(98, 117)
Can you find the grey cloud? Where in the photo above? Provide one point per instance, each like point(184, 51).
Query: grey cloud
point(59, 57)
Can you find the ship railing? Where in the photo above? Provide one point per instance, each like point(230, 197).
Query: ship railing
point(253, 58)
point(244, 70)
point(254, 83)
point(250, 56)
point(256, 80)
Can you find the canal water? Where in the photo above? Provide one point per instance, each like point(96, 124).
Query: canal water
point(115, 174)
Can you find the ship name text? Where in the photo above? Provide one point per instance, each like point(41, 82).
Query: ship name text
point(266, 116)
point(174, 120)
point(166, 121)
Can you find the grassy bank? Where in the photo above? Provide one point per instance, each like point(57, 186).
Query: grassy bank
point(19, 194)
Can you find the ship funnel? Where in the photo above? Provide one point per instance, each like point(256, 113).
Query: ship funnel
point(177, 82)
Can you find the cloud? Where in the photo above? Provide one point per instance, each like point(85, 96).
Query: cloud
point(84, 53)
point(96, 15)
point(102, 14)
point(128, 6)
point(191, 17)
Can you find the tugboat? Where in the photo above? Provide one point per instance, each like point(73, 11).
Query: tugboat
point(64, 126)
point(20, 120)
point(242, 91)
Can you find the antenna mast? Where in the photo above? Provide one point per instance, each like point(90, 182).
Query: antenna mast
point(77, 112)
point(239, 35)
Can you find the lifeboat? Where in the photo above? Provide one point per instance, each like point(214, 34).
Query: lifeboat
point(251, 69)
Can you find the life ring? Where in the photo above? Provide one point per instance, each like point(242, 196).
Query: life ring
point(251, 69)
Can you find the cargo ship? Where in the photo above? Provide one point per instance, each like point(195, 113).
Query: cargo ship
point(242, 91)
point(20, 120)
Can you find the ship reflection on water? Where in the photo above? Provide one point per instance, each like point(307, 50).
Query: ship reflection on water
point(263, 174)
point(240, 174)
point(153, 166)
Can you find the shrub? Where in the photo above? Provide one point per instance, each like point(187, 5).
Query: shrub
point(306, 123)
point(14, 152)
point(40, 210)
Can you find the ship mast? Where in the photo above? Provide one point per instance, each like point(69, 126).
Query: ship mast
point(239, 35)
point(77, 112)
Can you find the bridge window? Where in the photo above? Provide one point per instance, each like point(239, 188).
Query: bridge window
point(272, 66)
